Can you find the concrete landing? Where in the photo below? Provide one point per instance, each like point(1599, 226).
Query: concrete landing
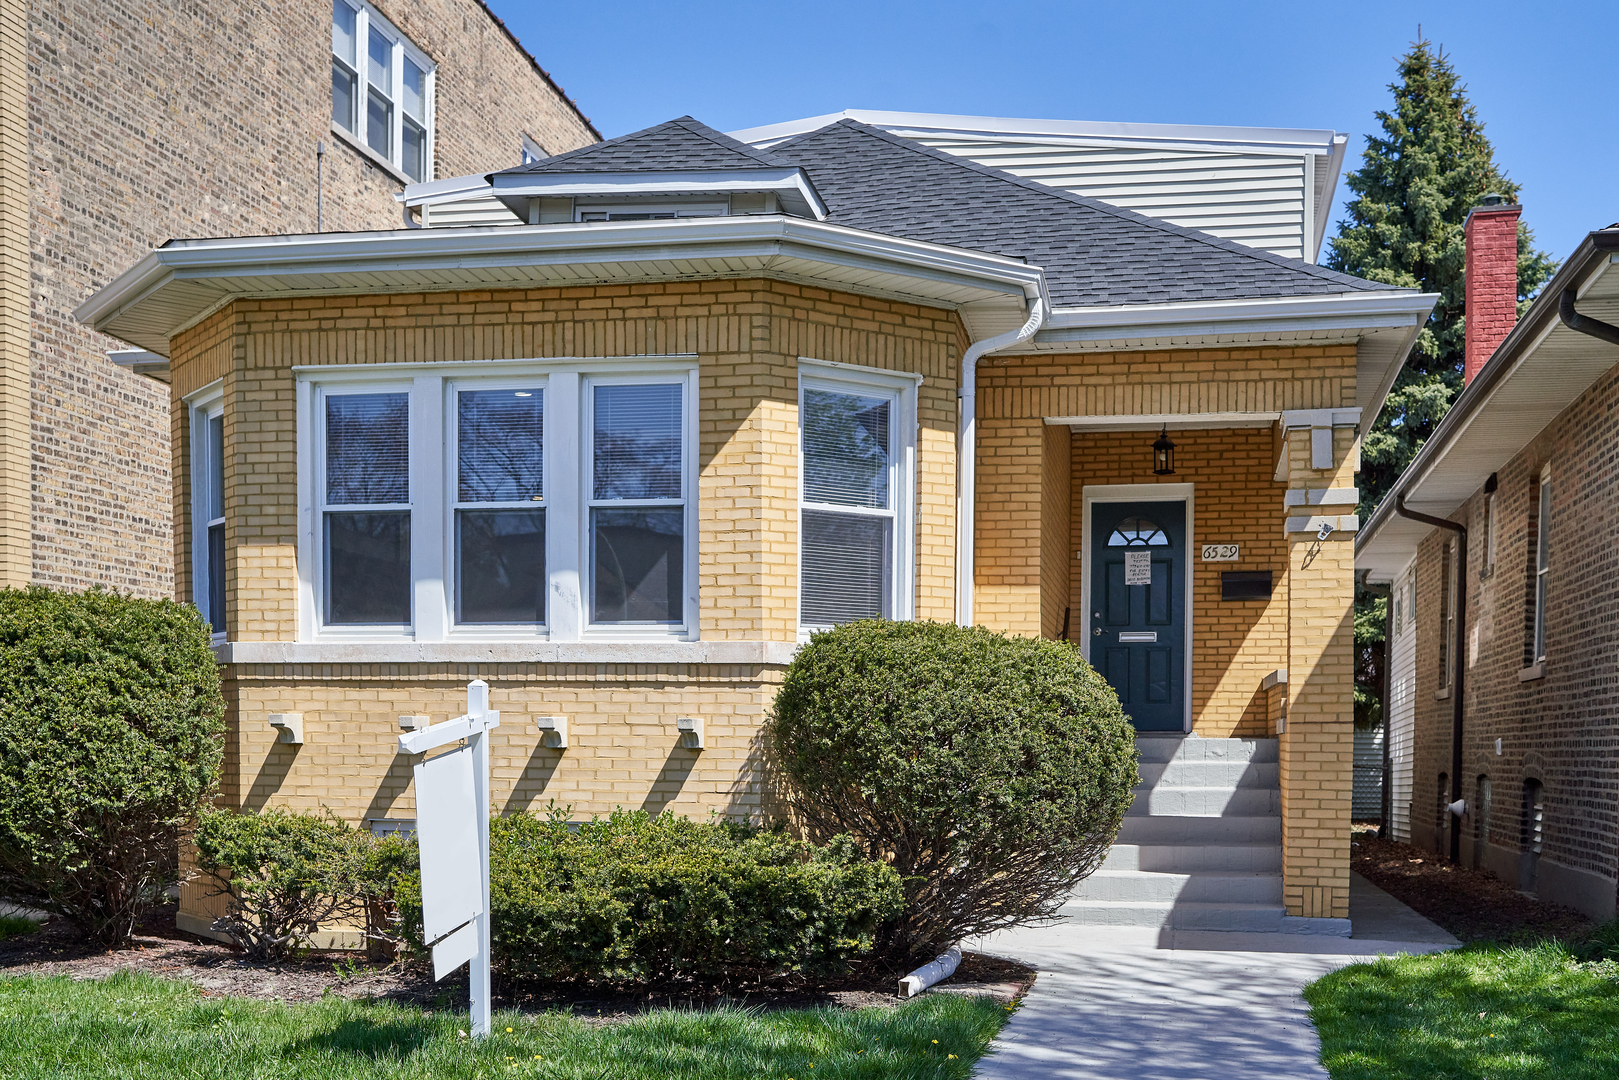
point(1148, 1003)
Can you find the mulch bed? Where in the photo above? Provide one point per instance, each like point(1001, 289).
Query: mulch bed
point(1475, 905)
point(160, 949)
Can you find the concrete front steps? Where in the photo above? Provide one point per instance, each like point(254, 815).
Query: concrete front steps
point(1201, 846)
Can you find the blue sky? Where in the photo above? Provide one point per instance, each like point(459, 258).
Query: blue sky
point(1540, 74)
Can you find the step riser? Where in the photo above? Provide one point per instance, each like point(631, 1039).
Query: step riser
point(1208, 774)
point(1192, 858)
point(1176, 916)
point(1155, 749)
point(1207, 802)
point(1133, 887)
point(1189, 831)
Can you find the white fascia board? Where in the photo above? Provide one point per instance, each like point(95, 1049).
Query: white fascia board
point(1327, 174)
point(1204, 136)
point(1157, 421)
point(370, 255)
point(1339, 311)
point(789, 184)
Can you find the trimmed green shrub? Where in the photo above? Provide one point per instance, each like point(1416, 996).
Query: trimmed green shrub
point(991, 772)
point(658, 899)
point(286, 875)
point(110, 740)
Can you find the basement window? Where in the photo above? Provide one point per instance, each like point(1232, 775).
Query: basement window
point(382, 89)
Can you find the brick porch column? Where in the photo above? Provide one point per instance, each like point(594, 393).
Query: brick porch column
point(1320, 455)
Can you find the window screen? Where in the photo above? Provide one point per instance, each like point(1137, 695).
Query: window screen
point(637, 512)
point(846, 552)
point(500, 512)
point(367, 544)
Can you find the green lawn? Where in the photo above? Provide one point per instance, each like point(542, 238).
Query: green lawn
point(1481, 1013)
point(135, 1026)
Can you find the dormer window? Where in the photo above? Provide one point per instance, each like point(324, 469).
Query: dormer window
point(648, 211)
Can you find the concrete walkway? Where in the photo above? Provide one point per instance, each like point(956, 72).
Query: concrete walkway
point(1148, 1004)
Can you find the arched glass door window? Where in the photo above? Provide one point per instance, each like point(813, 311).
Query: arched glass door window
point(1137, 532)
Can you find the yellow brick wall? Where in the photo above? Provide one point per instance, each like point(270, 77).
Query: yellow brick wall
point(1236, 643)
point(1056, 501)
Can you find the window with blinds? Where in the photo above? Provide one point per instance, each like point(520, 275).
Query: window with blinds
point(208, 513)
point(365, 513)
point(500, 506)
point(637, 502)
point(848, 526)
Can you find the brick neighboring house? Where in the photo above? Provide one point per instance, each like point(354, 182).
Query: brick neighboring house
point(1524, 667)
point(620, 460)
point(123, 126)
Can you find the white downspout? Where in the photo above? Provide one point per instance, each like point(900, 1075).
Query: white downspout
point(967, 450)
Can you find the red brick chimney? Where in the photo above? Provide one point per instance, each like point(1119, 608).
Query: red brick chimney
point(1491, 232)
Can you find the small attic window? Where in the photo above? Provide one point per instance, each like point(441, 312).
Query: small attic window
point(650, 211)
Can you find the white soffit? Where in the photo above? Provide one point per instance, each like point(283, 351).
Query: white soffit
point(178, 285)
point(1269, 188)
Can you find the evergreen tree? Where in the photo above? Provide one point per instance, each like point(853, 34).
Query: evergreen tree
point(1418, 178)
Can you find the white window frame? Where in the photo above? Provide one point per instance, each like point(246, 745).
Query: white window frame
point(1543, 561)
point(901, 388)
point(679, 208)
point(433, 460)
point(204, 405)
point(367, 18)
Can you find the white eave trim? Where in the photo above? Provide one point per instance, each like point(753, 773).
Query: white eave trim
point(1347, 311)
point(789, 184)
point(335, 263)
point(1173, 421)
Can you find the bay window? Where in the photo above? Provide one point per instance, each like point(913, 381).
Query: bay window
point(537, 500)
point(381, 89)
point(857, 430)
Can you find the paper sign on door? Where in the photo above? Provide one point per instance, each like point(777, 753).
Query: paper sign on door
point(1138, 568)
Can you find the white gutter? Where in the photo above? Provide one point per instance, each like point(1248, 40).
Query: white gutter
point(967, 450)
point(1348, 311)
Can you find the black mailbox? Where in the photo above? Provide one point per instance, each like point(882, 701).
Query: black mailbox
point(1246, 584)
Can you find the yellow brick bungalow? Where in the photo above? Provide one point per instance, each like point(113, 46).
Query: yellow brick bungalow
point(619, 457)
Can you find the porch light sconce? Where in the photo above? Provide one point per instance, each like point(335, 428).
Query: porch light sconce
point(289, 727)
point(691, 732)
point(553, 731)
point(1163, 454)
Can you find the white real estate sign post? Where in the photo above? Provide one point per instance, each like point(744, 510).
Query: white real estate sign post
point(452, 830)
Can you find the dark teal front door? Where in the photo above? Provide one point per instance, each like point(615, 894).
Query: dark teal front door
point(1137, 639)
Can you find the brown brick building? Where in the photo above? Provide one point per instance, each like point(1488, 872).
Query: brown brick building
point(618, 461)
point(1507, 629)
point(123, 126)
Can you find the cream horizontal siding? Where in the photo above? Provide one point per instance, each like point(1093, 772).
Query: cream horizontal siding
point(1253, 198)
point(1402, 715)
point(478, 210)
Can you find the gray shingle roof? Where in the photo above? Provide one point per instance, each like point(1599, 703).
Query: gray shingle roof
point(1093, 253)
point(683, 144)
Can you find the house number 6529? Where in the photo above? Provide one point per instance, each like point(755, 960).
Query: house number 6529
point(1219, 552)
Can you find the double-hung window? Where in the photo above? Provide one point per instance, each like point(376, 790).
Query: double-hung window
point(500, 505)
point(381, 89)
point(637, 501)
point(533, 500)
point(857, 432)
point(365, 515)
point(1543, 563)
point(208, 511)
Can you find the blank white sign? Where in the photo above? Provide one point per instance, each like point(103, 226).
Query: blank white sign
point(451, 952)
point(447, 830)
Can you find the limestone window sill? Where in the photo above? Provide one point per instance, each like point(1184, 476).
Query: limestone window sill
point(1442, 695)
point(1533, 672)
point(369, 154)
